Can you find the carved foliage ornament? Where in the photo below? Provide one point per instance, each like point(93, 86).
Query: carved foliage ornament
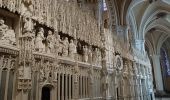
point(118, 63)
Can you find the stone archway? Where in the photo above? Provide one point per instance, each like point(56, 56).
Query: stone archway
point(46, 92)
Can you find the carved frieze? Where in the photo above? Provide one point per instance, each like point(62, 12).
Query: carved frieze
point(8, 62)
point(7, 34)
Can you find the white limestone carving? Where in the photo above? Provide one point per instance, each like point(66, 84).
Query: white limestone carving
point(11, 5)
point(72, 49)
point(5, 63)
point(26, 8)
point(47, 71)
point(9, 37)
point(28, 25)
point(20, 71)
point(99, 58)
point(1, 61)
point(58, 45)
point(50, 42)
point(85, 53)
point(55, 73)
point(39, 45)
point(27, 72)
point(90, 55)
point(12, 64)
point(95, 55)
point(65, 47)
point(42, 74)
point(3, 29)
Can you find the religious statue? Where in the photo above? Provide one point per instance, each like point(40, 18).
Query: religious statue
point(9, 37)
point(65, 47)
point(85, 53)
point(39, 45)
point(90, 54)
point(42, 74)
point(99, 57)
point(58, 45)
point(50, 42)
point(72, 49)
point(3, 28)
point(26, 8)
point(28, 26)
point(94, 57)
point(48, 69)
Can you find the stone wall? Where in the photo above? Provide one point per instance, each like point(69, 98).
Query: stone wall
point(65, 55)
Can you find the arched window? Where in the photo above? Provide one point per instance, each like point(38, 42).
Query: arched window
point(165, 62)
point(104, 5)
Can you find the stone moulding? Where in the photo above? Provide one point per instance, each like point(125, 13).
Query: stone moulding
point(43, 55)
point(9, 49)
point(64, 60)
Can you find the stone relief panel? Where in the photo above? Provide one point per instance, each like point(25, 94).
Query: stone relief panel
point(7, 34)
point(7, 62)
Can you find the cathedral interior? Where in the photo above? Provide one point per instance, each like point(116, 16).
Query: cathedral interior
point(84, 49)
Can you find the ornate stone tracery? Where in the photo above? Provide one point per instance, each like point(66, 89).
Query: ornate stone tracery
point(60, 46)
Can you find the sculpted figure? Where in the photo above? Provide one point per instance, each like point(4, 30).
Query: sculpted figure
point(39, 45)
point(3, 28)
point(9, 37)
point(47, 71)
point(5, 63)
point(11, 5)
point(58, 45)
point(99, 56)
point(95, 54)
point(65, 47)
point(72, 49)
point(28, 25)
point(55, 73)
point(12, 64)
point(50, 42)
point(42, 74)
point(85, 53)
point(90, 54)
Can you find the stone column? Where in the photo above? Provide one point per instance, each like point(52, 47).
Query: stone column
point(69, 95)
point(66, 87)
point(80, 86)
point(6, 86)
point(62, 92)
point(58, 86)
point(84, 87)
point(157, 72)
point(75, 87)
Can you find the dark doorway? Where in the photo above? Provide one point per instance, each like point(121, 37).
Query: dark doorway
point(45, 93)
